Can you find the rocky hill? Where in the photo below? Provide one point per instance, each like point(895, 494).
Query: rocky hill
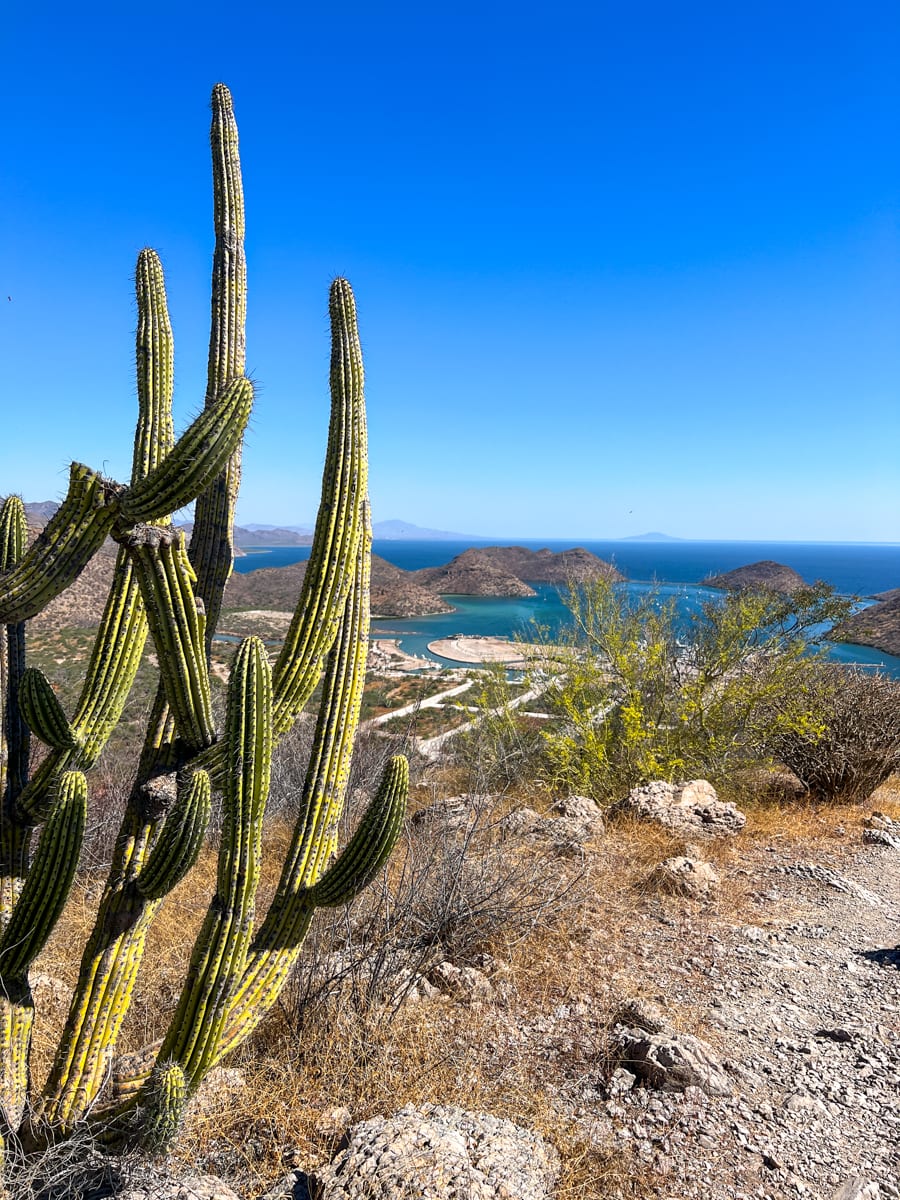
point(878, 626)
point(507, 570)
point(772, 576)
point(394, 592)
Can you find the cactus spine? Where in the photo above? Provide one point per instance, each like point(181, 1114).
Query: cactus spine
point(237, 965)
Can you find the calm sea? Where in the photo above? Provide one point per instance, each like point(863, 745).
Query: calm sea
point(853, 568)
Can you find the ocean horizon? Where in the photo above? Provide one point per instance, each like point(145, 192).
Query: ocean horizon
point(860, 569)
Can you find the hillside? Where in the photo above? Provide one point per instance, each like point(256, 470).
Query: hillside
point(878, 626)
point(394, 592)
point(773, 576)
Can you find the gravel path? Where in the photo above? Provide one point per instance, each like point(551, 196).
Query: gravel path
point(801, 1010)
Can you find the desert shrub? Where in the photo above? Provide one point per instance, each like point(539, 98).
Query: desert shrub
point(854, 745)
point(642, 690)
point(458, 887)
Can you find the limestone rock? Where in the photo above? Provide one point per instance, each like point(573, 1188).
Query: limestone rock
point(684, 876)
point(672, 1062)
point(194, 1187)
point(881, 830)
point(450, 812)
point(692, 809)
point(521, 821)
point(858, 1189)
point(462, 983)
point(578, 819)
point(574, 821)
point(643, 1014)
point(580, 808)
point(292, 1186)
point(443, 1153)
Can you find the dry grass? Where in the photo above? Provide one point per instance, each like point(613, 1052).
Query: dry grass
point(565, 932)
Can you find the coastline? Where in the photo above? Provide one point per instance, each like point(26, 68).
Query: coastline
point(475, 649)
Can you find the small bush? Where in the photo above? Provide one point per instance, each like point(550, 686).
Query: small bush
point(855, 744)
point(457, 888)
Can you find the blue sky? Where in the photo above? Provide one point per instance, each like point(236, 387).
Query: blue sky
point(619, 267)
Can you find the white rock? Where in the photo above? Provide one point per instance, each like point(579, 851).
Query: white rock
point(692, 809)
point(684, 876)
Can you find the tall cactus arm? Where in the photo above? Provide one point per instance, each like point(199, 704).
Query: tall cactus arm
point(155, 358)
point(16, 1026)
point(63, 547)
point(49, 880)
point(277, 944)
point(315, 832)
point(14, 739)
point(13, 533)
point(180, 839)
point(331, 563)
point(107, 974)
point(221, 946)
point(36, 912)
point(113, 664)
point(371, 845)
point(198, 457)
point(43, 711)
point(212, 541)
point(177, 626)
point(14, 734)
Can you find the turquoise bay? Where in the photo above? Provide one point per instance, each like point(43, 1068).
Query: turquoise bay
point(677, 567)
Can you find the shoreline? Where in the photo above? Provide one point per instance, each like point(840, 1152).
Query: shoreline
point(475, 649)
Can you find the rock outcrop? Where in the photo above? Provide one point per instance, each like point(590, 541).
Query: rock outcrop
point(472, 578)
point(692, 809)
point(684, 876)
point(765, 575)
point(444, 1153)
point(662, 1058)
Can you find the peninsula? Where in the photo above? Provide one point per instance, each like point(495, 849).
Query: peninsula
point(877, 626)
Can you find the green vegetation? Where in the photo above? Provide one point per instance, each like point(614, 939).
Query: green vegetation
point(634, 692)
point(238, 966)
point(642, 694)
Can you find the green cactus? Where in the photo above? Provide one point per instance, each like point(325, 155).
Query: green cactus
point(159, 586)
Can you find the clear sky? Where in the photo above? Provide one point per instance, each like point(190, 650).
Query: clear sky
point(619, 267)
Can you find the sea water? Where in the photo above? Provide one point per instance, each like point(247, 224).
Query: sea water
point(677, 568)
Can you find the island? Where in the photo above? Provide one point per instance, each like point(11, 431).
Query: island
point(765, 575)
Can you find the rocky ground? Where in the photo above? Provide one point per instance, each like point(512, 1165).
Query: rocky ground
point(720, 1025)
point(738, 1040)
point(792, 1086)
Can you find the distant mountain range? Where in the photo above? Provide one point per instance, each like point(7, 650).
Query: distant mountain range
point(649, 537)
point(256, 534)
point(402, 531)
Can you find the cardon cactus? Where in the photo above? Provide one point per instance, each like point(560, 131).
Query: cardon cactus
point(173, 592)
